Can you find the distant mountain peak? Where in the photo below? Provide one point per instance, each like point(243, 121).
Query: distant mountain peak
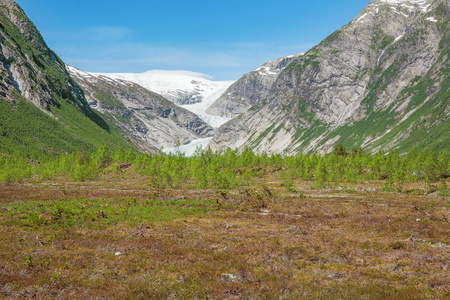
point(180, 73)
point(179, 86)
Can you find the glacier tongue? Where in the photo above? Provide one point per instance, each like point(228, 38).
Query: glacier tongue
point(200, 108)
point(190, 148)
point(190, 90)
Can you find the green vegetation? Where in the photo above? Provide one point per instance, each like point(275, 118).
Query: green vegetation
point(387, 40)
point(82, 215)
point(231, 169)
point(171, 227)
point(257, 106)
point(66, 123)
point(34, 48)
point(101, 213)
point(26, 130)
point(303, 110)
point(259, 139)
point(107, 99)
point(426, 128)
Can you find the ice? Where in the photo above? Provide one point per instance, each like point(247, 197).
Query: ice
point(422, 4)
point(78, 71)
point(171, 84)
point(399, 37)
point(200, 108)
point(190, 148)
point(360, 18)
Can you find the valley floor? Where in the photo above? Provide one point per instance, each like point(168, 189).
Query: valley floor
point(117, 238)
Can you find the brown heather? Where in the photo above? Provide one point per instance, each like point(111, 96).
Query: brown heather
point(261, 242)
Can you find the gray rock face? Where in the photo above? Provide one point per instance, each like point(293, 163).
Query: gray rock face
point(369, 84)
point(252, 89)
point(148, 118)
point(28, 68)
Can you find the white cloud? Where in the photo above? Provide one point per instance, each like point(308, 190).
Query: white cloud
point(225, 62)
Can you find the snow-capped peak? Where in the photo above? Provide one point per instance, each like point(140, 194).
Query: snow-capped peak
point(419, 2)
point(180, 87)
point(191, 90)
point(411, 5)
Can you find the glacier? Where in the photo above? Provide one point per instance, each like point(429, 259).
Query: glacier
point(190, 90)
point(189, 149)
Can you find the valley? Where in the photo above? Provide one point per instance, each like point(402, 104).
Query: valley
point(321, 174)
point(117, 237)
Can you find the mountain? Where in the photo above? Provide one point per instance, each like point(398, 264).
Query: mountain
point(250, 90)
point(29, 67)
point(147, 118)
point(180, 87)
point(381, 82)
point(190, 90)
point(42, 110)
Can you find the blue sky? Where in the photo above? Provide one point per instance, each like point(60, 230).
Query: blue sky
point(224, 39)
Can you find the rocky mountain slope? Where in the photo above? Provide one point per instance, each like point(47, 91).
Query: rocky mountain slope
point(146, 117)
point(179, 87)
point(190, 90)
point(381, 82)
point(250, 90)
point(28, 66)
point(41, 108)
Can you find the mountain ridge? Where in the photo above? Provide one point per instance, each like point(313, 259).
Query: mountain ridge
point(358, 76)
point(43, 111)
point(180, 87)
point(251, 89)
point(152, 121)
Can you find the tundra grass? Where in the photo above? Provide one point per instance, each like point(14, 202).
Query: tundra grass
point(119, 238)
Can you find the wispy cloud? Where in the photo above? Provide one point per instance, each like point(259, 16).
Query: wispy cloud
point(230, 61)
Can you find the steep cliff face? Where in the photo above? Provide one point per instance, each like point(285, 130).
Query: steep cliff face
point(42, 110)
point(146, 117)
point(380, 82)
point(29, 67)
point(251, 90)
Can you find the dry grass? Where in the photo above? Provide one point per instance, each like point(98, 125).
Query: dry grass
point(261, 242)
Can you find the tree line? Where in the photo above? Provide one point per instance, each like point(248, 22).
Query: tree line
point(234, 169)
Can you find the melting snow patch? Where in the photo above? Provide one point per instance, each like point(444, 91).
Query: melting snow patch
point(423, 4)
point(399, 37)
point(379, 58)
point(360, 18)
point(78, 72)
point(426, 8)
point(265, 71)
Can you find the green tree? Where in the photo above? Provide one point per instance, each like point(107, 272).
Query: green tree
point(339, 150)
point(321, 173)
